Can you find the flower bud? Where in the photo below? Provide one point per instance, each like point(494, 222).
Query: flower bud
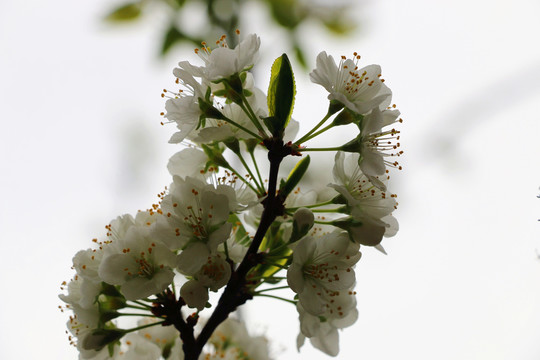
point(303, 220)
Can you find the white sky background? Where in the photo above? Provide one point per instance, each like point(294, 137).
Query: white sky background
point(81, 143)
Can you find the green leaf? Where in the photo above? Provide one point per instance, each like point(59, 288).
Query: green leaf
point(300, 56)
point(287, 13)
point(340, 25)
point(172, 36)
point(294, 178)
point(179, 3)
point(281, 93)
point(126, 12)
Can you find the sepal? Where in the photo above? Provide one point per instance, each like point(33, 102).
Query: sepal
point(208, 111)
point(100, 338)
point(347, 116)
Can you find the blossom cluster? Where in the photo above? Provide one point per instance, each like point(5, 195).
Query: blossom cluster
point(221, 226)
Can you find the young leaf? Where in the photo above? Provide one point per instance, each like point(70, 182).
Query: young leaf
point(126, 12)
point(294, 178)
point(172, 36)
point(281, 93)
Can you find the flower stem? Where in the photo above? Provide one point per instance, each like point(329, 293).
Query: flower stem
point(319, 132)
point(251, 114)
point(311, 206)
point(277, 297)
point(244, 180)
point(256, 278)
point(256, 167)
point(243, 161)
point(142, 304)
point(335, 210)
point(146, 308)
point(226, 249)
point(144, 326)
point(270, 289)
point(135, 314)
point(337, 148)
point(324, 222)
point(307, 136)
point(242, 128)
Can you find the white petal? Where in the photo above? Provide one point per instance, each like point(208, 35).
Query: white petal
point(295, 278)
point(311, 298)
point(372, 122)
point(219, 236)
point(327, 343)
point(325, 71)
point(192, 258)
point(113, 268)
point(369, 234)
point(188, 162)
point(372, 163)
point(194, 294)
point(300, 340)
point(142, 287)
point(392, 226)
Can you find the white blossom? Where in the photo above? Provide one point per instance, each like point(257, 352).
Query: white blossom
point(223, 62)
point(367, 204)
point(81, 300)
point(194, 220)
point(141, 265)
point(162, 336)
point(183, 108)
point(206, 220)
point(194, 294)
point(88, 283)
point(359, 90)
point(321, 268)
point(232, 341)
point(322, 330)
point(80, 334)
point(213, 275)
point(376, 144)
point(188, 162)
point(236, 245)
point(139, 348)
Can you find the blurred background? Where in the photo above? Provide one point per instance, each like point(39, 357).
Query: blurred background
point(81, 143)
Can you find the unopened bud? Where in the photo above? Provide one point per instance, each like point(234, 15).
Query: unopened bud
point(303, 220)
point(303, 217)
